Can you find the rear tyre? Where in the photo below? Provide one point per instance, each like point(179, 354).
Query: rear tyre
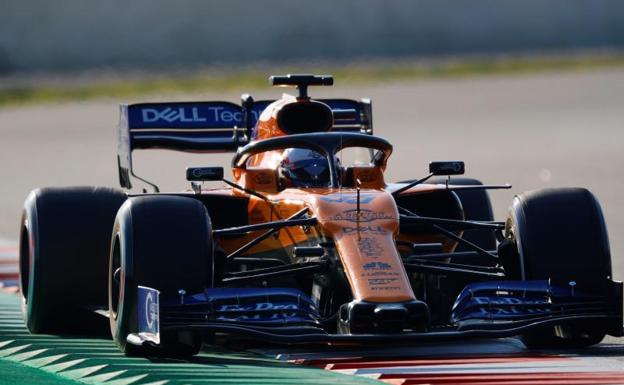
point(477, 206)
point(64, 243)
point(560, 234)
point(165, 243)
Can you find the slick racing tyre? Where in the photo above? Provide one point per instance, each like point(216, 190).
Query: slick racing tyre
point(165, 243)
point(559, 234)
point(64, 243)
point(477, 206)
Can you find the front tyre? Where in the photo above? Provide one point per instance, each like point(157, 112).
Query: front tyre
point(559, 234)
point(165, 243)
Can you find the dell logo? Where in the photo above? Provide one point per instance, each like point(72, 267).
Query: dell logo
point(171, 115)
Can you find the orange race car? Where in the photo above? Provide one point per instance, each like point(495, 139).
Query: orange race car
point(307, 243)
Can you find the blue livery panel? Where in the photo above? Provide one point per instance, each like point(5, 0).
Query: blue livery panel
point(148, 317)
point(182, 116)
point(201, 126)
point(265, 306)
point(185, 115)
point(506, 301)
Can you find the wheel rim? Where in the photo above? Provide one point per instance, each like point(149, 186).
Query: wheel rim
point(115, 284)
point(25, 259)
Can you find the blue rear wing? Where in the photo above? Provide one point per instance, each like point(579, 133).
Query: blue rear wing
point(206, 127)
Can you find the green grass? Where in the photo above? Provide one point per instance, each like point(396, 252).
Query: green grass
point(64, 360)
point(12, 373)
point(352, 73)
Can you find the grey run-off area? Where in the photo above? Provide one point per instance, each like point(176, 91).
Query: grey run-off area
point(533, 131)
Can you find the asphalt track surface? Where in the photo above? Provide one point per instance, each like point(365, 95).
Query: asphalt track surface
point(533, 131)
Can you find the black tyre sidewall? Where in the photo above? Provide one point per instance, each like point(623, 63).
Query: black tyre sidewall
point(62, 252)
point(560, 235)
point(146, 230)
point(125, 316)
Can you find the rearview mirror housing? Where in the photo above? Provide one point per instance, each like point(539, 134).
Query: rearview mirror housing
point(202, 174)
point(454, 167)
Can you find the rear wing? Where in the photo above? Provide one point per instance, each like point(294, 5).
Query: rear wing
point(206, 127)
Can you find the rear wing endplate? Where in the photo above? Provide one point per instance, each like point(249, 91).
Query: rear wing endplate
point(206, 127)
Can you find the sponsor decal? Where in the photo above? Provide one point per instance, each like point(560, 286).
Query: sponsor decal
point(507, 306)
point(381, 281)
point(383, 284)
point(259, 317)
point(264, 307)
point(151, 310)
point(364, 229)
point(180, 114)
point(378, 274)
point(507, 301)
point(364, 216)
point(350, 199)
point(257, 307)
point(147, 316)
point(377, 266)
point(214, 114)
point(370, 247)
point(206, 172)
point(385, 288)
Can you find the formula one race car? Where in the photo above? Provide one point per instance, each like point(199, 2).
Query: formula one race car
point(308, 243)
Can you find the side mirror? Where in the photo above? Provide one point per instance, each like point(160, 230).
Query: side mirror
point(308, 251)
point(447, 168)
point(202, 174)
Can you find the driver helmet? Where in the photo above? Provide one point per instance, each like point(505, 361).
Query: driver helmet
point(302, 167)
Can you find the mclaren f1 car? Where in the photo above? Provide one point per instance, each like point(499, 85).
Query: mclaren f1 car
point(307, 242)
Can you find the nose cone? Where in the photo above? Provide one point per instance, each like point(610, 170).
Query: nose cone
point(366, 317)
point(390, 316)
point(392, 310)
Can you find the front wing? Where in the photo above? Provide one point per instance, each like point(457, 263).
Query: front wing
point(288, 316)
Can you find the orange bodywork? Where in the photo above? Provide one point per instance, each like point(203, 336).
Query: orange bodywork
point(267, 126)
point(365, 243)
point(365, 240)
